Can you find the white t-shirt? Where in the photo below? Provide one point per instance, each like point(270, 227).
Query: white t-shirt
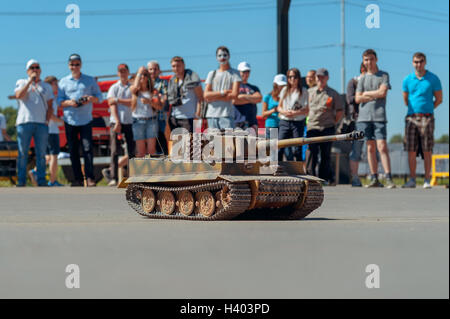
point(33, 107)
point(293, 102)
point(120, 91)
point(143, 110)
point(221, 81)
point(2, 126)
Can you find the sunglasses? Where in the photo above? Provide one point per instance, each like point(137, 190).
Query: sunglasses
point(417, 62)
point(35, 67)
point(292, 77)
point(72, 64)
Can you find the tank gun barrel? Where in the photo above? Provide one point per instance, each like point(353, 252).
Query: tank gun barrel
point(355, 135)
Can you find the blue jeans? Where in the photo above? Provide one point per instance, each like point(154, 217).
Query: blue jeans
point(25, 132)
point(220, 122)
point(291, 129)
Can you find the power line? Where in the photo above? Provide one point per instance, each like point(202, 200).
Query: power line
point(409, 8)
point(173, 10)
point(353, 46)
point(400, 13)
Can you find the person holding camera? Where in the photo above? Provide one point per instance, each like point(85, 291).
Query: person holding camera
point(76, 94)
point(185, 95)
point(145, 102)
point(35, 100)
point(160, 85)
point(292, 112)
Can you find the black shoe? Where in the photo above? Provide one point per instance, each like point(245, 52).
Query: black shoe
point(77, 184)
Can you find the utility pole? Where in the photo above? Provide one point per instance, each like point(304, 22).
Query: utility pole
point(343, 46)
point(283, 35)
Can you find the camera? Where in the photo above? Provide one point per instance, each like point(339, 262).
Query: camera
point(177, 101)
point(81, 100)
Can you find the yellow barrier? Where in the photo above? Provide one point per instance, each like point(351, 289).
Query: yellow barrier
point(434, 174)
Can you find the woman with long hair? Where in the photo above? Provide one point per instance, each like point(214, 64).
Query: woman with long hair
point(144, 104)
point(292, 110)
point(270, 103)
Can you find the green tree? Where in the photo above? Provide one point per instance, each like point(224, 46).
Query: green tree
point(10, 114)
point(443, 139)
point(397, 138)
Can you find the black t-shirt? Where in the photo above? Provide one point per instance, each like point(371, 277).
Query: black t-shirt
point(248, 111)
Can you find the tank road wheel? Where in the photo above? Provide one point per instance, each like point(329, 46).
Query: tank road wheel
point(185, 203)
point(205, 203)
point(166, 202)
point(148, 200)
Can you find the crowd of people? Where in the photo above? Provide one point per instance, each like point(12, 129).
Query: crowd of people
point(142, 105)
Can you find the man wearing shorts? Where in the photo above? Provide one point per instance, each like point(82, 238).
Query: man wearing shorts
point(422, 93)
point(371, 92)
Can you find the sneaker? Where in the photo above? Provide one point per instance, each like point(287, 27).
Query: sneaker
point(390, 183)
point(107, 174)
point(427, 184)
point(55, 183)
point(33, 176)
point(356, 182)
point(374, 183)
point(112, 183)
point(410, 184)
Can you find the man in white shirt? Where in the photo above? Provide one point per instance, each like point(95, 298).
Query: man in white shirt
point(121, 121)
point(35, 100)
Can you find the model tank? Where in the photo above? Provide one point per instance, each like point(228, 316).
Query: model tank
point(194, 189)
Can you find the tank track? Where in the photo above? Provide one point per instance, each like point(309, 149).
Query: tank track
point(239, 199)
point(301, 199)
point(296, 210)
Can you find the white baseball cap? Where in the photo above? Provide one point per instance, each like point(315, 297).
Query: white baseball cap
point(244, 66)
point(280, 79)
point(31, 62)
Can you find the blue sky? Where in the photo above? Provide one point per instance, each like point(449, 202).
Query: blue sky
point(195, 28)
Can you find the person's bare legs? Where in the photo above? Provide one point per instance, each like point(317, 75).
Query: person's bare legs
point(427, 163)
point(123, 161)
point(53, 167)
point(151, 146)
point(384, 155)
point(140, 148)
point(372, 157)
point(412, 164)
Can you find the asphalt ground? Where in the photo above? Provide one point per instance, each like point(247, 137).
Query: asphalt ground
point(123, 255)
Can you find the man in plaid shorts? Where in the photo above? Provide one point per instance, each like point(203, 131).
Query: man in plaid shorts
point(422, 93)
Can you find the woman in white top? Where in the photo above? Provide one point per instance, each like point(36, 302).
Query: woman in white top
point(144, 105)
point(292, 111)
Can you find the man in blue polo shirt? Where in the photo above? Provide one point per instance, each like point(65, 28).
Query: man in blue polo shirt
point(422, 93)
point(76, 94)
